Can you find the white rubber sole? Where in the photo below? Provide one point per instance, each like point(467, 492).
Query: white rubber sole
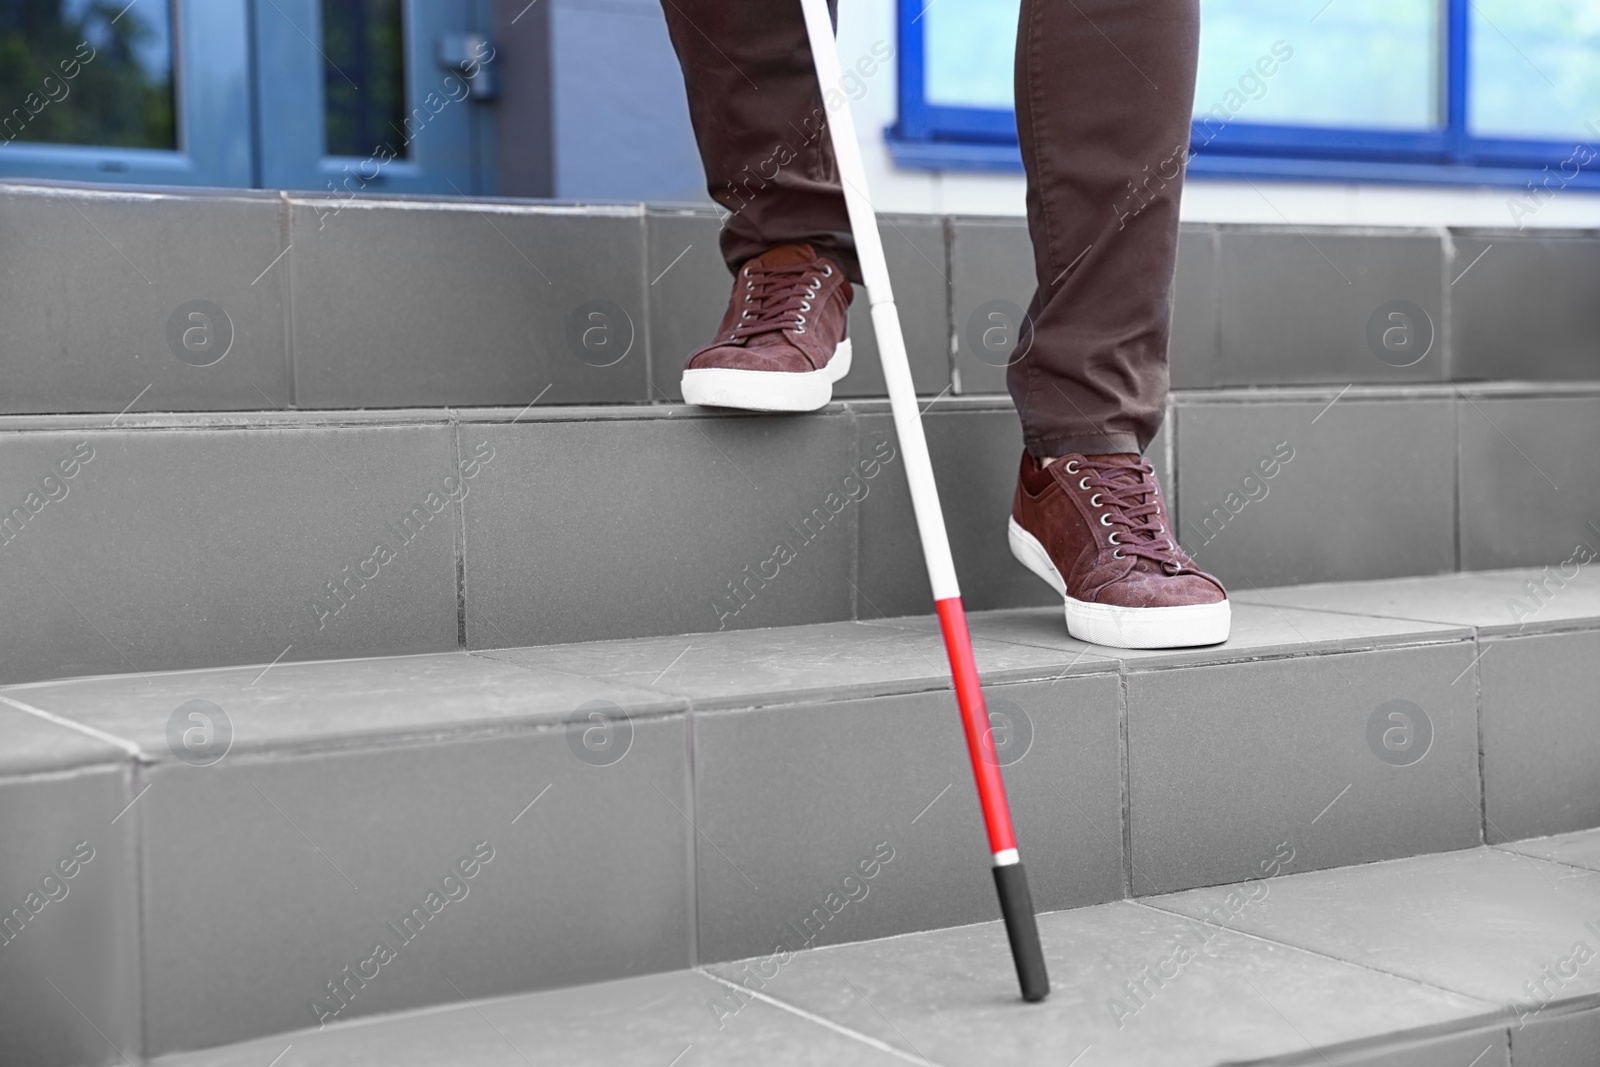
point(1108, 624)
point(766, 390)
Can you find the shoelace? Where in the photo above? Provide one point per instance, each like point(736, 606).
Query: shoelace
point(777, 299)
point(1124, 494)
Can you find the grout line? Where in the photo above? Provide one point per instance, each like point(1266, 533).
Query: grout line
point(645, 305)
point(1145, 903)
point(1457, 498)
point(460, 544)
point(1505, 846)
point(1477, 707)
point(820, 1020)
point(128, 747)
point(693, 849)
point(286, 288)
point(140, 893)
point(854, 422)
point(1125, 780)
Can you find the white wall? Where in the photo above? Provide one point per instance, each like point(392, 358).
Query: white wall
point(863, 22)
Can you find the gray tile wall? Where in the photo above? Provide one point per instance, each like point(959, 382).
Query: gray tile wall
point(1229, 763)
point(335, 845)
point(98, 291)
point(395, 302)
point(184, 546)
point(206, 540)
point(1351, 488)
point(69, 966)
point(1523, 306)
point(1540, 735)
point(405, 304)
point(1529, 494)
point(631, 528)
point(1295, 306)
point(796, 833)
point(351, 787)
point(991, 260)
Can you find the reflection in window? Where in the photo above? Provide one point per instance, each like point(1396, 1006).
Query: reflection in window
point(1370, 64)
point(89, 72)
point(970, 52)
point(1535, 69)
point(1367, 64)
point(364, 80)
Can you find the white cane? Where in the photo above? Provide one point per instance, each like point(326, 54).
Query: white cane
point(1016, 906)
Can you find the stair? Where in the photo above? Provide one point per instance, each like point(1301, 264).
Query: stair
point(733, 780)
point(566, 746)
point(1347, 967)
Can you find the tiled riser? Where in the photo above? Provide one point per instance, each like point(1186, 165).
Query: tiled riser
point(1238, 765)
point(249, 861)
point(192, 541)
point(1541, 734)
point(78, 951)
point(765, 768)
point(397, 303)
point(795, 797)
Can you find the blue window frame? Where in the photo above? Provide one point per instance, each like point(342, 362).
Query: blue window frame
point(1470, 88)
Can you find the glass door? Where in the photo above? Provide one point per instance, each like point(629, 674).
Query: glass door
point(381, 96)
point(147, 91)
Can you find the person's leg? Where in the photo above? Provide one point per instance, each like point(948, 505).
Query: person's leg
point(761, 127)
point(1104, 94)
point(759, 122)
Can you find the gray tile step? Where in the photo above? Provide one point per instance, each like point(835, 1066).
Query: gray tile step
point(604, 810)
point(1464, 958)
point(143, 542)
point(392, 302)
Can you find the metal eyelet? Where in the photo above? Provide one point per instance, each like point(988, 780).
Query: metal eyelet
point(749, 285)
point(1083, 483)
point(799, 329)
point(827, 270)
point(1094, 501)
point(805, 305)
point(1105, 520)
point(745, 315)
point(1072, 466)
point(1118, 554)
point(1113, 538)
point(815, 284)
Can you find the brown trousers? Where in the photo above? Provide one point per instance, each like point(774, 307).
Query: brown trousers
point(1104, 94)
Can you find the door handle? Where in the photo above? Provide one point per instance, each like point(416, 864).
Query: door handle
point(471, 55)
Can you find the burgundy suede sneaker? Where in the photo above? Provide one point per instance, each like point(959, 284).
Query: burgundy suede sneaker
point(1096, 529)
point(782, 343)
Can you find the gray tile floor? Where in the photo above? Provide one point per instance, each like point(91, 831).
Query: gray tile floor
point(1412, 962)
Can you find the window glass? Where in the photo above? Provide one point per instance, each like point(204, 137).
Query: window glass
point(1367, 64)
point(87, 72)
point(970, 52)
point(1370, 64)
point(364, 80)
point(1535, 69)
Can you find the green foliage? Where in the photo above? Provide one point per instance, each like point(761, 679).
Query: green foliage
point(111, 101)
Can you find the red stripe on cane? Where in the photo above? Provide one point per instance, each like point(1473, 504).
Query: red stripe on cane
point(975, 720)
